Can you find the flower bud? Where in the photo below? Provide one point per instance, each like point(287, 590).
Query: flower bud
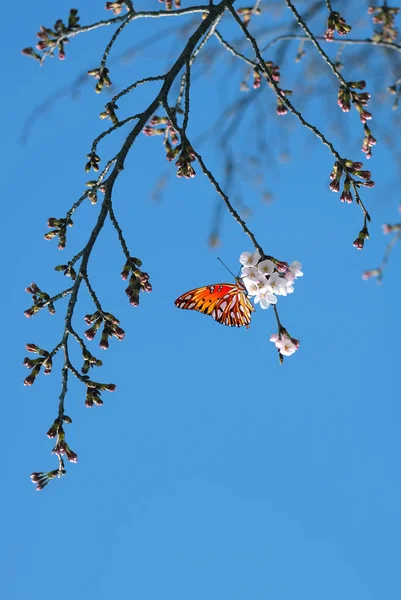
point(372, 273)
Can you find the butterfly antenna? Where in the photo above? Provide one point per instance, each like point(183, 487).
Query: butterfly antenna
point(224, 265)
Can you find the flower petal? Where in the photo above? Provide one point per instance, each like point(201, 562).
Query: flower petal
point(266, 267)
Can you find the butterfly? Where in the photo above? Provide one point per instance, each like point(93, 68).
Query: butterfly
point(227, 303)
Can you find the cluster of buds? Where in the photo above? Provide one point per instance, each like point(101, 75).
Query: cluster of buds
point(61, 447)
point(281, 107)
point(57, 426)
point(371, 273)
point(368, 141)
point(160, 126)
point(348, 169)
point(89, 361)
point(110, 328)
point(40, 299)
point(93, 391)
point(42, 479)
point(285, 344)
point(384, 15)
point(68, 270)
point(44, 360)
point(163, 126)
point(362, 236)
point(246, 13)
point(116, 7)
point(185, 158)
point(138, 280)
point(274, 71)
point(94, 188)
point(346, 94)
point(169, 4)
point(102, 76)
point(93, 162)
point(60, 230)
point(56, 38)
point(387, 228)
point(109, 112)
point(336, 23)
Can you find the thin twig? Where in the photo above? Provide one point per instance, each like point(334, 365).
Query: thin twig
point(233, 51)
point(213, 181)
point(111, 129)
point(136, 84)
point(117, 227)
point(92, 293)
point(314, 41)
point(187, 88)
point(345, 41)
point(113, 39)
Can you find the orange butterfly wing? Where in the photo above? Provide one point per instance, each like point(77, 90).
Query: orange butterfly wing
point(227, 303)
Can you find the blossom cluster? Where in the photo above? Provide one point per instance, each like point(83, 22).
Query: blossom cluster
point(284, 343)
point(349, 169)
point(336, 23)
point(274, 71)
point(384, 15)
point(163, 126)
point(54, 39)
point(267, 279)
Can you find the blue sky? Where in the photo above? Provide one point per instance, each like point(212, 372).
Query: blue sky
point(212, 472)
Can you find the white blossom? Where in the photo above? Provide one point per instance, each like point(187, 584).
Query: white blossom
point(285, 344)
point(289, 276)
point(254, 282)
point(251, 272)
point(265, 298)
point(295, 268)
point(249, 259)
point(277, 285)
point(252, 286)
point(286, 347)
point(266, 267)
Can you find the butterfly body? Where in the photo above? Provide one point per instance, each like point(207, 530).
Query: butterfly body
point(227, 303)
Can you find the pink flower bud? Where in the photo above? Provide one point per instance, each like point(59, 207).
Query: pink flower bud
point(346, 196)
point(372, 273)
point(335, 185)
point(358, 243)
point(32, 348)
point(281, 266)
point(90, 333)
point(119, 333)
point(104, 343)
point(29, 380)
